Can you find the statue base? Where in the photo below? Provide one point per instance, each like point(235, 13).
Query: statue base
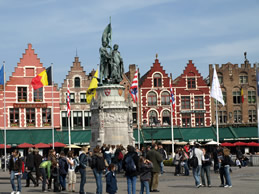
point(111, 121)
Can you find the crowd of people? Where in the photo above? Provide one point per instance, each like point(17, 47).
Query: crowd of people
point(59, 171)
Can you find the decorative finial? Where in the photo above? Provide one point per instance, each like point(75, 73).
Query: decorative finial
point(76, 52)
point(245, 56)
point(156, 56)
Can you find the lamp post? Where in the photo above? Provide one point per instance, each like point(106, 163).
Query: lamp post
point(151, 131)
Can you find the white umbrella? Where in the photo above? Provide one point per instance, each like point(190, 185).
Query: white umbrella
point(212, 143)
point(72, 146)
point(181, 143)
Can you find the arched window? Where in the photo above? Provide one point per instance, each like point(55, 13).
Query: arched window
point(152, 115)
point(157, 80)
point(77, 82)
point(152, 99)
point(165, 98)
point(166, 117)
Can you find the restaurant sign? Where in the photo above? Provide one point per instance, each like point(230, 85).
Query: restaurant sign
point(29, 105)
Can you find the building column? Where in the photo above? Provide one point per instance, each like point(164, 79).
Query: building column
point(83, 119)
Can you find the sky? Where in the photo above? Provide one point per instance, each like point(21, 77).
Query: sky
point(207, 32)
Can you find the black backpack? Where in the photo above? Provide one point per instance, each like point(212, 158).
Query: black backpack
point(98, 163)
point(194, 160)
point(130, 165)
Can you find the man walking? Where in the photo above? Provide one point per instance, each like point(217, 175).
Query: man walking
point(29, 165)
point(163, 155)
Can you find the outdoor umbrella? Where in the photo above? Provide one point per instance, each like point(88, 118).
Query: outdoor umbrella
point(212, 143)
point(2, 146)
point(181, 143)
point(58, 145)
point(227, 144)
point(42, 145)
point(253, 144)
point(73, 146)
point(25, 145)
point(239, 143)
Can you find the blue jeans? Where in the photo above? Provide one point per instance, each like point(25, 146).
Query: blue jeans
point(186, 168)
point(196, 174)
point(62, 180)
point(205, 170)
point(119, 165)
point(44, 178)
point(98, 179)
point(162, 167)
point(18, 181)
point(83, 180)
point(144, 184)
point(131, 183)
point(227, 174)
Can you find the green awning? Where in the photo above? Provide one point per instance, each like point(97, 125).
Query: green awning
point(135, 135)
point(80, 137)
point(198, 134)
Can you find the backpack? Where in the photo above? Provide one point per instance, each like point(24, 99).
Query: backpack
point(194, 160)
point(76, 165)
point(130, 165)
point(120, 156)
point(98, 163)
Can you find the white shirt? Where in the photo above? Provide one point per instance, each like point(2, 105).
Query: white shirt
point(199, 155)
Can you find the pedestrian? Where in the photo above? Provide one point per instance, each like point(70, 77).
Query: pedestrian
point(145, 169)
point(15, 170)
point(226, 162)
point(118, 157)
point(155, 157)
point(184, 159)
point(45, 170)
point(111, 181)
point(196, 151)
point(72, 164)
point(29, 165)
point(37, 162)
point(130, 165)
point(107, 155)
point(53, 175)
point(82, 168)
point(63, 170)
point(205, 169)
point(177, 162)
point(98, 165)
point(164, 156)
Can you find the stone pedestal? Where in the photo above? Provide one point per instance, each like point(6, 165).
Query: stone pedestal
point(111, 121)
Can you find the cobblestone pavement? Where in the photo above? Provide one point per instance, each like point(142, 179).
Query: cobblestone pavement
point(244, 180)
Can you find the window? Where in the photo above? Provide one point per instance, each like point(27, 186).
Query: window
point(30, 116)
point(83, 97)
point(237, 116)
point(46, 116)
point(185, 100)
point(236, 97)
point(224, 94)
point(135, 115)
point(191, 83)
point(77, 118)
point(152, 99)
point(77, 82)
point(22, 94)
point(157, 80)
point(72, 98)
point(198, 102)
point(166, 117)
point(152, 117)
point(222, 116)
point(199, 119)
point(88, 115)
point(251, 97)
point(186, 120)
point(38, 95)
point(243, 79)
point(220, 78)
point(252, 116)
point(65, 120)
point(165, 98)
point(14, 116)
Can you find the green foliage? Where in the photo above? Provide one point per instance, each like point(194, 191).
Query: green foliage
point(168, 162)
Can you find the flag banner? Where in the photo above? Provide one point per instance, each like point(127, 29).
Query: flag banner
point(172, 100)
point(91, 91)
point(107, 34)
point(2, 75)
point(42, 79)
point(242, 95)
point(134, 88)
point(68, 100)
point(216, 92)
point(257, 80)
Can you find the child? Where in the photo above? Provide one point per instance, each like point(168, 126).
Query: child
point(111, 181)
point(146, 167)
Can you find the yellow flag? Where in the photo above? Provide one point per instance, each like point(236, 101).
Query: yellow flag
point(91, 91)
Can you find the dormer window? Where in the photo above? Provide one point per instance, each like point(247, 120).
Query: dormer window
point(157, 80)
point(191, 83)
point(77, 82)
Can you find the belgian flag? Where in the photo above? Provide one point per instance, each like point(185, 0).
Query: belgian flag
point(42, 79)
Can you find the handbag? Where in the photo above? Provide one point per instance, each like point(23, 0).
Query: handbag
point(194, 160)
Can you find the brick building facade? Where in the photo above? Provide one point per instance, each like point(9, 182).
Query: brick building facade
point(80, 110)
point(27, 108)
point(233, 78)
point(192, 97)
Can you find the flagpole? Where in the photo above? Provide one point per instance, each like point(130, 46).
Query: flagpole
point(52, 112)
point(217, 122)
point(5, 166)
point(138, 111)
point(257, 99)
point(172, 123)
point(69, 132)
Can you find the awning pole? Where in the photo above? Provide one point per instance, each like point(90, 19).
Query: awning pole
point(52, 112)
point(5, 158)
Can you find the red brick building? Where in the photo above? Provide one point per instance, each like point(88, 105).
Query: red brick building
point(27, 108)
point(192, 99)
point(155, 97)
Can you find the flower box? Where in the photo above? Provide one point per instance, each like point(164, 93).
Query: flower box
point(38, 100)
point(21, 100)
point(47, 124)
point(30, 124)
point(14, 124)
